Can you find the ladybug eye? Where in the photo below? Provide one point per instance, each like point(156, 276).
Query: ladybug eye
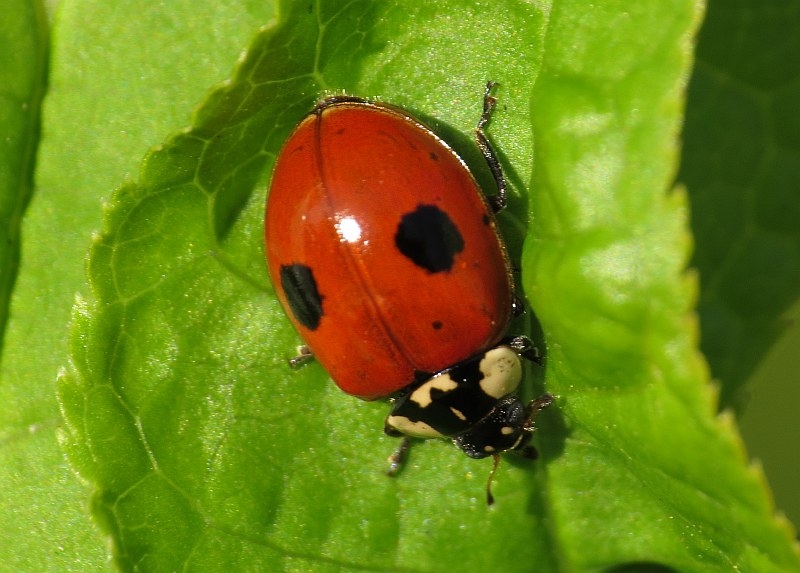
point(300, 287)
point(429, 238)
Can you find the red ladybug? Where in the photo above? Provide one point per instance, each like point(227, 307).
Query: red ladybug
point(385, 254)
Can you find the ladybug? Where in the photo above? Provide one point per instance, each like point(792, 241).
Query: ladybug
point(385, 254)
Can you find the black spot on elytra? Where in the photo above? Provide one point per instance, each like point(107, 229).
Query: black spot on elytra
point(429, 238)
point(437, 324)
point(300, 287)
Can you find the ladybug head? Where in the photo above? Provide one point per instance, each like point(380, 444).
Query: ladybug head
point(508, 427)
point(505, 428)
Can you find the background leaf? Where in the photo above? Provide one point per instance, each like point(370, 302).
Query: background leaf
point(35, 481)
point(110, 96)
point(741, 163)
point(23, 33)
point(207, 453)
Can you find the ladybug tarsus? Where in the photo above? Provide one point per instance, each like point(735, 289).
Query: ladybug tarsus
point(398, 458)
point(497, 201)
point(489, 102)
point(303, 356)
point(525, 347)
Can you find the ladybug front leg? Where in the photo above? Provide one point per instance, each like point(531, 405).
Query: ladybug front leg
point(525, 347)
point(536, 406)
point(532, 409)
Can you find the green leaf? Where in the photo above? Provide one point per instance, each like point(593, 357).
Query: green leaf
point(742, 143)
point(23, 34)
point(39, 490)
point(109, 98)
point(206, 452)
point(607, 284)
point(742, 166)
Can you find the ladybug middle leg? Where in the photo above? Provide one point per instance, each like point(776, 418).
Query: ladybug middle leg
point(304, 356)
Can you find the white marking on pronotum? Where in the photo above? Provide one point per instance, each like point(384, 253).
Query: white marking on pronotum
point(409, 428)
point(422, 395)
point(502, 372)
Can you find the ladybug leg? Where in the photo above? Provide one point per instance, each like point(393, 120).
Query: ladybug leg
point(304, 355)
point(517, 306)
point(536, 406)
point(398, 458)
point(498, 201)
point(533, 408)
point(525, 347)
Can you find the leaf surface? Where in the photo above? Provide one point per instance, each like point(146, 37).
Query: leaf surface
point(109, 97)
point(206, 452)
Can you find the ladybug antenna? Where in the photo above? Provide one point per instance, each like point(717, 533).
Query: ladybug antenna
point(489, 496)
